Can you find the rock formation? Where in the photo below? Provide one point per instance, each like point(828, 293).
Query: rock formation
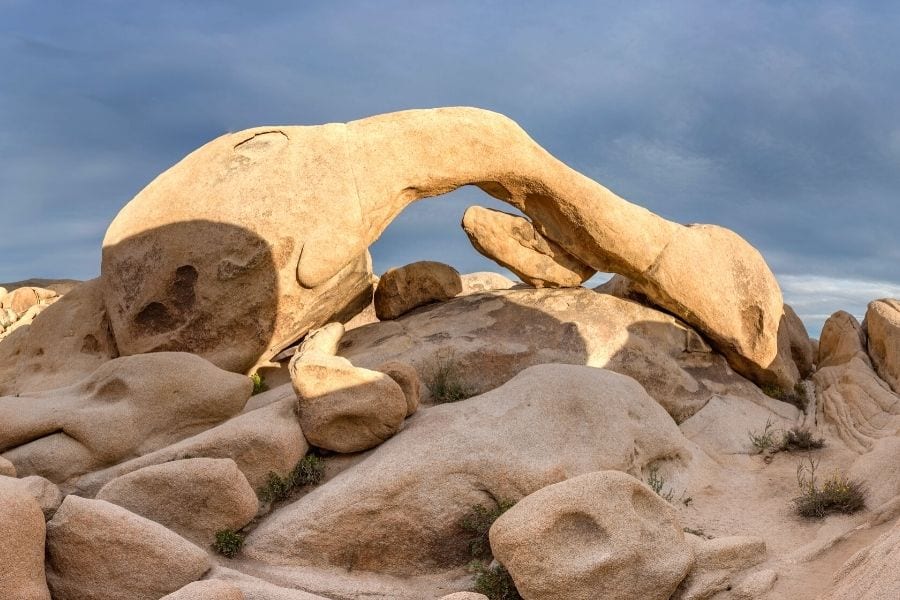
point(127, 407)
point(402, 289)
point(413, 489)
point(513, 242)
point(602, 534)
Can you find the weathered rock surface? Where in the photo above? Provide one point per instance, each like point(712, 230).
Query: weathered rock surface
point(42, 490)
point(871, 573)
point(484, 281)
point(599, 535)
point(207, 590)
point(190, 251)
point(127, 407)
point(801, 346)
point(842, 339)
point(23, 298)
point(720, 565)
point(492, 336)
point(7, 469)
point(513, 242)
point(465, 596)
point(404, 288)
point(190, 265)
point(100, 551)
point(22, 532)
point(259, 441)
point(193, 497)
point(792, 362)
point(879, 470)
point(851, 399)
point(549, 423)
point(341, 407)
point(407, 378)
point(70, 340)
point(883, 330)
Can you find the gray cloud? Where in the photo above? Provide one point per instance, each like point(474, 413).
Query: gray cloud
point(776, 119)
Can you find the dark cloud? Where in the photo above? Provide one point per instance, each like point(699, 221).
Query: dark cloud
point(776, 119)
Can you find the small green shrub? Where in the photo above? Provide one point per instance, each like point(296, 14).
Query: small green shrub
point(764, 441)
point(445, 380)
point(276, 488)
point(796, 396)
point(478, 523)
point(495, 582)
point(308, 471)
point(228, 543)
point(838, 494)
point(657, 482)
point(259, 384)
point(799, 439)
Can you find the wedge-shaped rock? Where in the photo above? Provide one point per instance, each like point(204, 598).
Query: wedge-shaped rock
point(100, 551)
point(127, 407)
point(267, 439)
point(259, 236)
point(549, 423)
point(514, 243)
point(599, 535)
point(194, 497)
point(22, 533)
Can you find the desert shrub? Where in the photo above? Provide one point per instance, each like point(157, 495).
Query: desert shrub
point(837, 494)
point(309, 470)
point(478, 523)
point(798, 438)
point(765, 440)
point(495, 582)
point(276, 488)
point(444, 378)
point(796, 396)
point(657, 482)
point(259, 384)
point(228, 543)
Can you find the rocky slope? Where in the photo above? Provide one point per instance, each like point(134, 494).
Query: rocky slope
point(239, 409)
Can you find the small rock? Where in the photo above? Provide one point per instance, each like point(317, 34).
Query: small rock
point(100, 551)
point(404, 288)
point(7, 469)
point(484, 281)
point(464, 596)
point(408, 379)
point(194, 497)
point(44, 491)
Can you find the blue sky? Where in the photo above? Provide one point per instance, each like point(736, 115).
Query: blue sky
point(780, 120)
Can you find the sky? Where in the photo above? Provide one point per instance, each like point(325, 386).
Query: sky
point(779, 120)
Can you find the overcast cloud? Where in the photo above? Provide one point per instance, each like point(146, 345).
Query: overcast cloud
point(779, 120)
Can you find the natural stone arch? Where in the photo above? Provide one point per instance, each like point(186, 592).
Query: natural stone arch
point(320, 195)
